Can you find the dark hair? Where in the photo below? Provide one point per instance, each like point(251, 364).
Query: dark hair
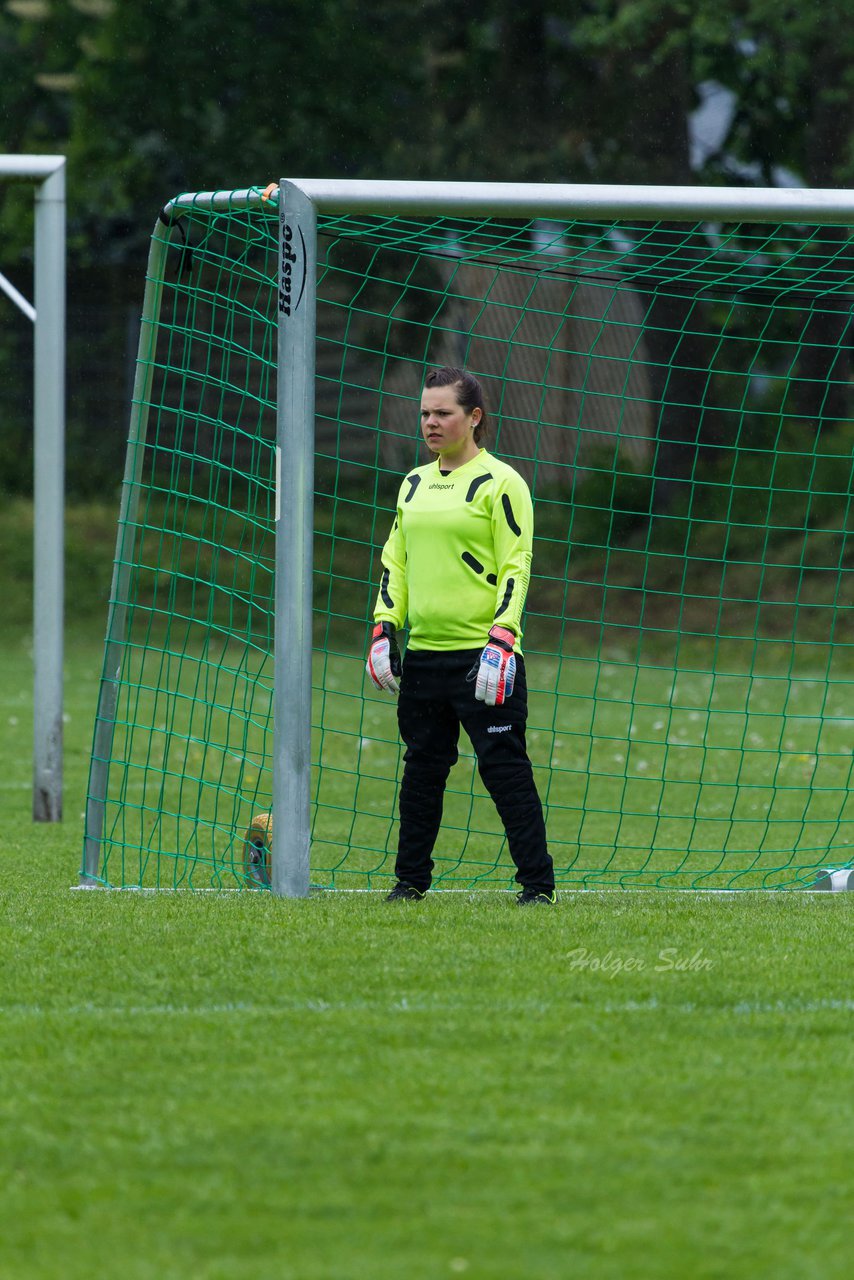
point(468, 389)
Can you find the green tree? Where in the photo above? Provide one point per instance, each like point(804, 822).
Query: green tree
point(183, 95)
point(790, 68)
point(149, 100)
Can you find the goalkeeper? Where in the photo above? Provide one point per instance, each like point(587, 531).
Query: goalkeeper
point(457, 564)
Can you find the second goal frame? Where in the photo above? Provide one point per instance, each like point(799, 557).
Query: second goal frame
point(47, 314)
point(300, 203)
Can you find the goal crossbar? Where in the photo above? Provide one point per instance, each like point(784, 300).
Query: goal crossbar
point(549, 200)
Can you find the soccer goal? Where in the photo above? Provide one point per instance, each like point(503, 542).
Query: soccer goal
point(669, 368)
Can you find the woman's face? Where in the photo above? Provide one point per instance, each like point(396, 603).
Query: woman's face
point(446, 426)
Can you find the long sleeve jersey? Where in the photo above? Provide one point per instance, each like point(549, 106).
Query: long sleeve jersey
point(458, 558)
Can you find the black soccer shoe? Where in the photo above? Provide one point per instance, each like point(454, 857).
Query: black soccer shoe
point(536, 898)
point(403, 892)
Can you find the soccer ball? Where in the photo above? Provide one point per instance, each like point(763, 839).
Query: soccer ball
point(257, 845)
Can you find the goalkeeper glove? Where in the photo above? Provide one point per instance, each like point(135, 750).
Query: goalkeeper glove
point(383, 665)
point(496, 671)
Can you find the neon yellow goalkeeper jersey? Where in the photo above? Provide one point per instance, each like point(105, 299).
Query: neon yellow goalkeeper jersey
point(458, 557)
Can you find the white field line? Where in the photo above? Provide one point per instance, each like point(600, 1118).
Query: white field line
point(317, 891)
point(240, 1008)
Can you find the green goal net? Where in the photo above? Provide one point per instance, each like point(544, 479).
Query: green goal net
point(677, 395)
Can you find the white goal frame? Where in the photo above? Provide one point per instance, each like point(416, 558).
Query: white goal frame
point(48, 317)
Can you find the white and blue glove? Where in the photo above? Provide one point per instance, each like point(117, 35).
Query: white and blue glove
point(383, 665)
point(496, 671)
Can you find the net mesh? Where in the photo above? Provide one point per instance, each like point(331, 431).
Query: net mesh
point(677, 398)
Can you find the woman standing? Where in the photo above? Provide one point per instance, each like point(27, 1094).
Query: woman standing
point(457, 563)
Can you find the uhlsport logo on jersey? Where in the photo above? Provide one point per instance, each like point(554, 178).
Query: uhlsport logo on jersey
point(499, 728)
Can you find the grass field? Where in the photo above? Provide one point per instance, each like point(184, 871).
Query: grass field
point(218, 1086)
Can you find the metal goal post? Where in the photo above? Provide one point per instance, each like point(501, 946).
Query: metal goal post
point(47, 314)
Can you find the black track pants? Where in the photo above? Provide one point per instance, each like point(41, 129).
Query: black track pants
point(435, 699)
